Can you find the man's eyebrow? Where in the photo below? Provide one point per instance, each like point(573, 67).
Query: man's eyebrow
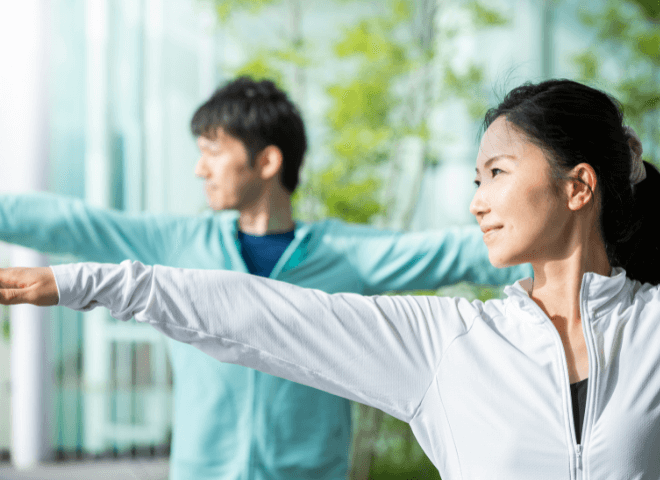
point(492, 159)
point(207, 142)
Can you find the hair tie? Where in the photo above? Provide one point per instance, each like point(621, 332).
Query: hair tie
point(637, 170)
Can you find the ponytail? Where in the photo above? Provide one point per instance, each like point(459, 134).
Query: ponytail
point(639, 255)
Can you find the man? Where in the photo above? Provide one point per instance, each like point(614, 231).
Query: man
point(231, 422)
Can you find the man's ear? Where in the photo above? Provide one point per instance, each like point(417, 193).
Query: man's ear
point(269, 162)
point(581, 187)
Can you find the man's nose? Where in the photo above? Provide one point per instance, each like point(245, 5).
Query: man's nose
point(200, 168)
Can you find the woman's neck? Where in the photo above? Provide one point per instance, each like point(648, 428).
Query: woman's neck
point(557, 282)
point(556, 289)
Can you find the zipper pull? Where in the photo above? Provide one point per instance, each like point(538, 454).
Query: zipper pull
point(579, 457)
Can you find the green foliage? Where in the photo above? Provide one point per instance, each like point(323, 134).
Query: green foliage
point(587, 64)
point(361, 133)
point(267, 62)
point(396, 453)
point(371, 39)
point(224, 8)
point(357, 142)
point(485, 293)
point(399, 456)
point(467, 86)
point(6, 325)
point(294, 54)
point(648, 45)
point(361, 103)
point(486, 17)
point(651, 8)
point(260, 67)
point(352, 201)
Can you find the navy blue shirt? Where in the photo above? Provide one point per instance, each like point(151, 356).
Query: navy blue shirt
point(261, 253)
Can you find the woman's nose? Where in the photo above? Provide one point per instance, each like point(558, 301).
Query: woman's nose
point(478, 205)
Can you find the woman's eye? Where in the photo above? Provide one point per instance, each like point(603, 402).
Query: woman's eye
point(493, 172)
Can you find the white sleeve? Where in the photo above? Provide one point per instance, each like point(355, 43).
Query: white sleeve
point(382, 351)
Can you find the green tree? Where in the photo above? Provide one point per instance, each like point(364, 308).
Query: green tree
point(380, 114)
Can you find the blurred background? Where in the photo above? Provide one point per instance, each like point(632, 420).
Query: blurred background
point(392, 94)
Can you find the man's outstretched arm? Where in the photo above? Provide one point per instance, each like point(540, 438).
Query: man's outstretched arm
point(396, 261)
point(62, 225)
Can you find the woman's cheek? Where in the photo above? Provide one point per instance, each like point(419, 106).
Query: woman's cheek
point(509, 201)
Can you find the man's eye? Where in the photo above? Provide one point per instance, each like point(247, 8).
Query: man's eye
point(493, 170)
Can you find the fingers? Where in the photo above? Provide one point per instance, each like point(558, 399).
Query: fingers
point(35, 286)
point(13, 296)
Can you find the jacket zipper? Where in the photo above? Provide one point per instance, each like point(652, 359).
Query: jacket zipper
point(578, 455)
point(577, 448)
point(591, 385)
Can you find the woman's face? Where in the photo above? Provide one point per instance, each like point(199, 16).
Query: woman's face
point(522, 216)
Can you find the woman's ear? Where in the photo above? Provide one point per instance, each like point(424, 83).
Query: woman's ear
point(269, 162)
point(581, 186)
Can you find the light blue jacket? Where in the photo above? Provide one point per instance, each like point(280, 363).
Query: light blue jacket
point(231, 422)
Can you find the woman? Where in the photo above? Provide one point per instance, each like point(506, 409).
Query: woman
point(486, 387)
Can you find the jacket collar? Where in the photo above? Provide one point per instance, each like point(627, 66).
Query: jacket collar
point(230, 221)
point(602, 293)
point(292, 256)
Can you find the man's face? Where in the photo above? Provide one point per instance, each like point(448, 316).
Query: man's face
point(230, 182)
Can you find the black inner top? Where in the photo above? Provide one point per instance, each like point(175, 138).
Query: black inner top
point(579, 396)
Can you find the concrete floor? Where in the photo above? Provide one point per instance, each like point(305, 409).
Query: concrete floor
point(122, 469)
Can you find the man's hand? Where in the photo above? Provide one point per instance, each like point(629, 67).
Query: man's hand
point(28, 285)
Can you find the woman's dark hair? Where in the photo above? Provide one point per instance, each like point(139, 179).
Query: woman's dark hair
point(573, 123)
point(258, 114)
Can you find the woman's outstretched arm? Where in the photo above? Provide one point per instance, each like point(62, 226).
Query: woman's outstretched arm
point(381, 350)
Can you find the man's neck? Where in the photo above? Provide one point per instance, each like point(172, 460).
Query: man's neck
point(271, 213)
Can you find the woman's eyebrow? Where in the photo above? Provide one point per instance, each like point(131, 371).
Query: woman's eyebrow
point(492, 159)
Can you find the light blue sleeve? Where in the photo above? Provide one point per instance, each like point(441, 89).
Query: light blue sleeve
point(62, 225)
point(396, 261)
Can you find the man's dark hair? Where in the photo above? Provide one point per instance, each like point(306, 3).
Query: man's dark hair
point(258, 114)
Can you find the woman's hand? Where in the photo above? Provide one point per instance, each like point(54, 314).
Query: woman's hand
point(36, 286)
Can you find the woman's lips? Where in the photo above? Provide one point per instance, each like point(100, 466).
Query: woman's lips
point(491, 232)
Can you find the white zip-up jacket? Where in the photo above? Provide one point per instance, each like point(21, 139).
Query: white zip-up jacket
point(484, 386)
